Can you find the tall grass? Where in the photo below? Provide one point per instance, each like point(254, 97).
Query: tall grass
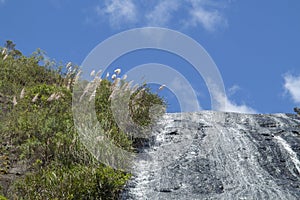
point(37, 130)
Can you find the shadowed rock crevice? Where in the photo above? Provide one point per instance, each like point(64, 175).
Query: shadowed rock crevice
point(214, 155)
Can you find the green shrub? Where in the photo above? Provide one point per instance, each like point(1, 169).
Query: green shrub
point(123, 99)
point(77, 182)
point(106, 118)
point(16, 73)
point(2, 198)
point(44, 129)
point(39, 129)
point(141, 103)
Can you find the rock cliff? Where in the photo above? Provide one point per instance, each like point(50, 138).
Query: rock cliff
point(215, 155)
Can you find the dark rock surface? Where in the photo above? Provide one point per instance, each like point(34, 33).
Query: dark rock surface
point(214, 155)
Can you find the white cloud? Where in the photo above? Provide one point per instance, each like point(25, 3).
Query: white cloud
point(209, 18)
point(167, 13)
point(292, 86)
point(118, 12)
point(227, 105)
point(162, 13)
point(188, 97)
point(233, 107)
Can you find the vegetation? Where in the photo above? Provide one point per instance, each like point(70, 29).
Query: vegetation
point(297, 110)
point(2, 197)
point(41, 155)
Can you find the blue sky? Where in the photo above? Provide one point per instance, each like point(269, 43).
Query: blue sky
point(255, 44)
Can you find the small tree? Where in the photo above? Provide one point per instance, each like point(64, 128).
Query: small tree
point(11, 50)
point(297, 110)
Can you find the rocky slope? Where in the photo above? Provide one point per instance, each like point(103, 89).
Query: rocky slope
point(214, 155)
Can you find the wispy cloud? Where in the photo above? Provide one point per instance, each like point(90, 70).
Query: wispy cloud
point(167, 13)
point(233, 90)
point(233, 107)
point(190, 103)
point(162, 13)
point(118, 12)
point(292, 86)
point(227, 105)
point(205, 14)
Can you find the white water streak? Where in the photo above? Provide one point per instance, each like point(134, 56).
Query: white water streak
point(290, 151)
point(233, 155)
point(237, 163)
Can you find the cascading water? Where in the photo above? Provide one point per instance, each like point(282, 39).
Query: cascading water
point(214, 155)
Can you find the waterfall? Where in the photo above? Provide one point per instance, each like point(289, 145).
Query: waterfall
point(215, 155)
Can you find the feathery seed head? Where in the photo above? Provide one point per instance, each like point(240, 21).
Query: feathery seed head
point(15, 101)
point(69, 65)
point(22, 93)
point(117, 71)
point(35, 98)
point(134, 88)
point(161, 87)
point(116, 82)
point(51, 98)
point(126, 86)
point(99, 72)
point(77, 76)
point(4, 51)
point(92, 73)
point(58, 95)
point(69, 84)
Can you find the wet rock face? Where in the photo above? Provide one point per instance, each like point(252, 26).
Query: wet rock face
point(214, 155)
